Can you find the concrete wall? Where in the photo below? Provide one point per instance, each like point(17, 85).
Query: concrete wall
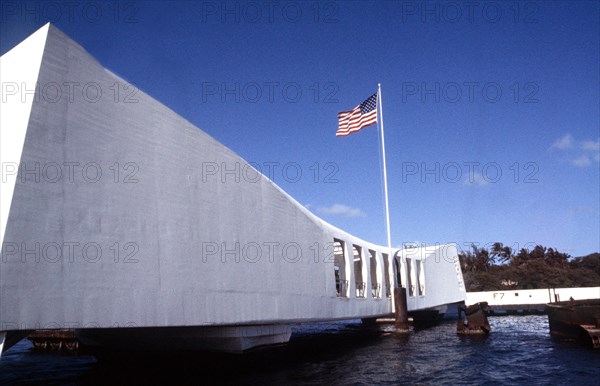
point(440, 269)
point(143, 228)
point(535, 296)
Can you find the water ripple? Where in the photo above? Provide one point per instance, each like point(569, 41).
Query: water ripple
point(518, 351)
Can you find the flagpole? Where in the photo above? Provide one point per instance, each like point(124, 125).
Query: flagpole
point(385, 190)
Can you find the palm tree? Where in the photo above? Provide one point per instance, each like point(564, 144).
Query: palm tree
point(521, 257)
point(501, 253)
point(538, 252)
point(482, 258)
point(496, 251)
point(555, 258)
point(467, 261)
point(507, 254)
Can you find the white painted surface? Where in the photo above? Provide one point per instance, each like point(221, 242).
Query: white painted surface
point(534, 296)
point(19, 70)
point(171, 213)
point(440, 269)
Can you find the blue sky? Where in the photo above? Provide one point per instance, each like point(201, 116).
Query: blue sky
point(491, 109)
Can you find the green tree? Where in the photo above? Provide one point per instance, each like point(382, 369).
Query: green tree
point(538, 253)
point(555, 258)
point(501, 253)
point(483, 260)
point(541, 267)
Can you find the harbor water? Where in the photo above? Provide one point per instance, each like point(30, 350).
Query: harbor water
point(518, 351)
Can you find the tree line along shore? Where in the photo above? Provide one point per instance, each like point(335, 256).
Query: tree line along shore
point(501, 268)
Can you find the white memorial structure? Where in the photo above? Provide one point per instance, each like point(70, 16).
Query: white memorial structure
point(117, 221)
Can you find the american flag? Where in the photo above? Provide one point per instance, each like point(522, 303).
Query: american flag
point(361, 116)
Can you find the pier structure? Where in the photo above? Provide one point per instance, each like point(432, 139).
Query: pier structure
point(529, 301)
